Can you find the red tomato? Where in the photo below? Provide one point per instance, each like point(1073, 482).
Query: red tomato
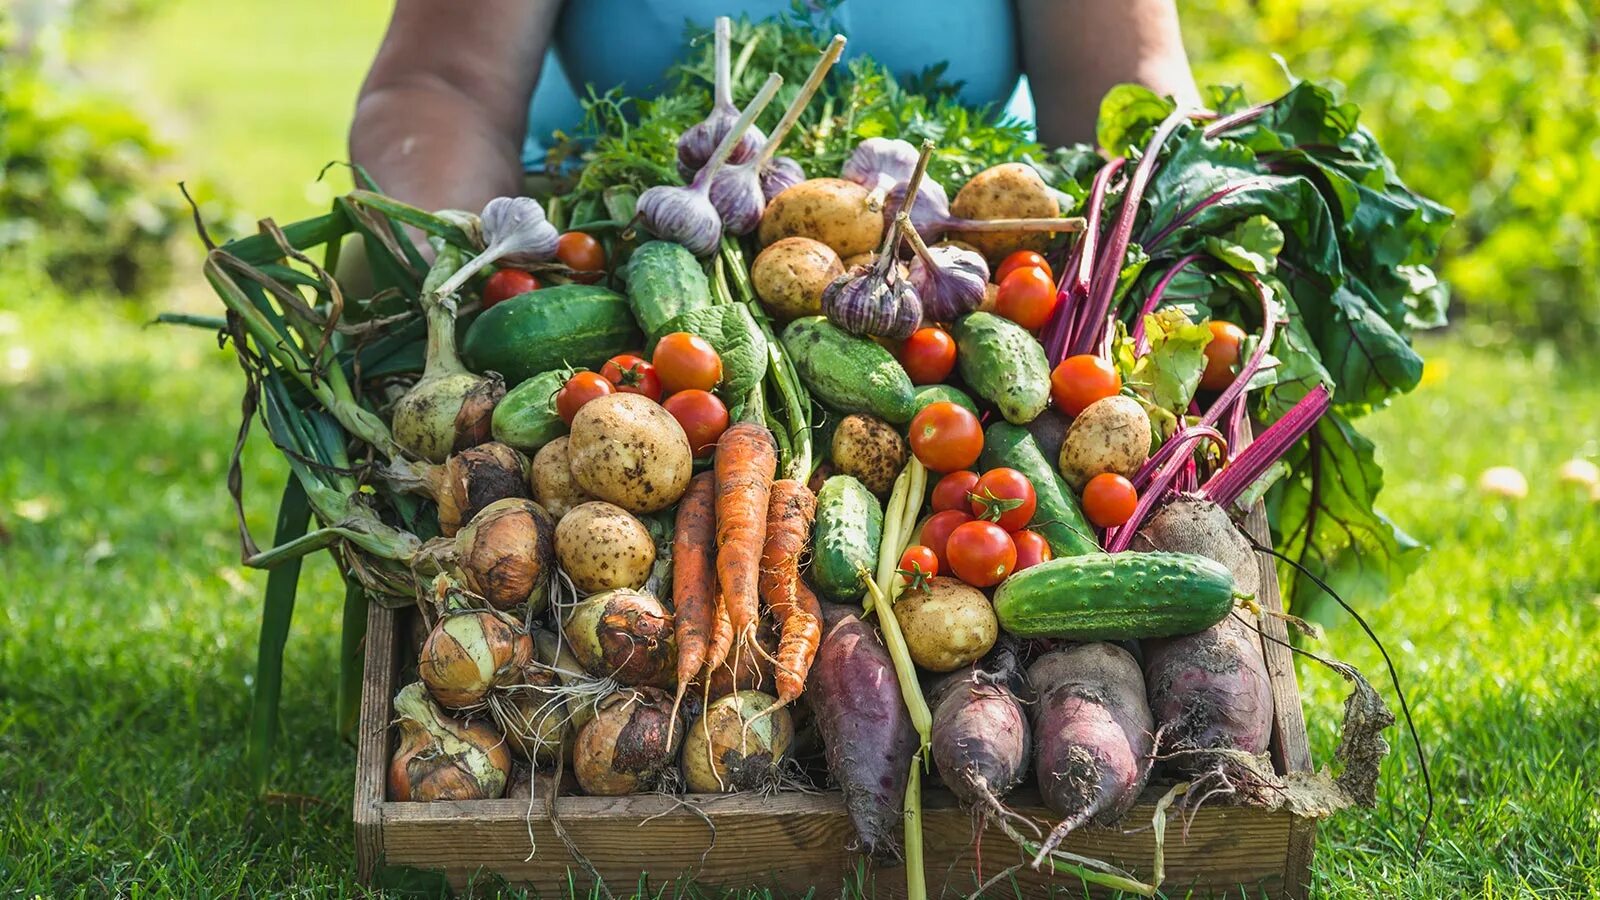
point(936, 532)
point(917, 565)
point(687, 362)
point(632, 375)
point(704, 418)
point(981, 553)
point(1222, 354)
point(1022, 259)
point(1027, 297)
point(1032, 549)
point(946, 437)
point(928, 355)
point(1004, 497)
point(1081, 380)
point(1109, 499)
point(580, 389)
point(507, 283)
point(580, 251)
point(951, 491)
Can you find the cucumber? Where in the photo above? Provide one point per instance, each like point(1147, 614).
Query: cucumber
point(1057, 517)
point(1115, 597)
point(1003, 364)
point(845, 539)
point(933, 393)
point(554, 328)
point(848, 373)
point(664, 282)
point(526, 416)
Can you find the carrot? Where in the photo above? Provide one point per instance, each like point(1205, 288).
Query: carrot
point(694, 582)
point(721, 635)
point(790, 511)
point(797, 648)
point(746, 461)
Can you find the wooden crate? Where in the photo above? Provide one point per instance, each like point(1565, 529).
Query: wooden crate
point(796, 841)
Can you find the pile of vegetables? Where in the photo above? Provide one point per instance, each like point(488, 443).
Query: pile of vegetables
point(935, 455)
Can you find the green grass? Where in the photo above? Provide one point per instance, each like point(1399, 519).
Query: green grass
point(128, 628)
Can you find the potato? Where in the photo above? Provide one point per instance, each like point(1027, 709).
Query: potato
point(626, 449)
point(869, 449)
point(601, 547)
point(789, 276)
point(831, 210)
point(1006, 191)
point(948, 624)
point(551, 478)
point(1111, 435)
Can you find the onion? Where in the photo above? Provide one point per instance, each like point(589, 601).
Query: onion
point(506, 554)
point(466, 483)
point(626, 635)
point(470, 652)
point(737, 745)
point(533, 711)
point(450, 408)
point(628, 744)
point(441, 757)
point(698, 143)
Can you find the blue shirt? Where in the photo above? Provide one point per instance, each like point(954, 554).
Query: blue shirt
point(632, 43)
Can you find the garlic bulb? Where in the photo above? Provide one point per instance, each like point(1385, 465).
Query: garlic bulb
point(879, 163)
point(698, 143)
point(950, 280)
point(515, 231)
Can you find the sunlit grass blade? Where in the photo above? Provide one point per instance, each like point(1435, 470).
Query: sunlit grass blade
point(352, 655)
point(294, 516)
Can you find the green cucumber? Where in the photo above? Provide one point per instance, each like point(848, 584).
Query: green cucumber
point(845, 539)
point(526, 416)
point(849, 373)
point(664, 282)
point(934, 393)
point(1057, 517)
point(1003, 364)
point(1115, 597)
point(568, 325)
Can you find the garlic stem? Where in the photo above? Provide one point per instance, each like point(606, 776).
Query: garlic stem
point(702, 179)
point(1062, 224)
point(830, 55)
point(722, 91)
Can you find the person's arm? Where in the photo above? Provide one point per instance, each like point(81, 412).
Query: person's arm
point(1076, 50)
point(441, 116)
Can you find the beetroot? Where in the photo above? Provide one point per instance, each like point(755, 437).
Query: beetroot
point(1092, 734)
point(980, 734)
point(866, 730)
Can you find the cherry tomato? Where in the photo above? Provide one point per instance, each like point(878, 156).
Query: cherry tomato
point(1004, 497)
point(951, 491)
point(687, 362)
point(1222, 354)
point(582, 252)
point(917, 565)
point(630, 374)
point(1022, 259)
point(928, 355)
point(1109, 499)
point(946, 437)
point(936, 532)
point(1081, 380)
point(507, 283)
point(704, 418)
point(1032, 549)
point(580, 389)
point(981, 553)
point(1027, 297)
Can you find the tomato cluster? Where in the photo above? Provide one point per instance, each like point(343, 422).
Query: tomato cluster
point(978, 530)
point(579, 252)
point(684, 369)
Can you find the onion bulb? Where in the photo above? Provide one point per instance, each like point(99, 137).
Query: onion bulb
point(470, 652)
point(441, 757)
point(628, 744)
point(466, 482)
point(626, 635)
point(450, 408)
point(532, 711)
point(506, 554)
point(737, 745)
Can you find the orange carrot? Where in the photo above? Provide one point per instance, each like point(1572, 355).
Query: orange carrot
point(797, 648)
point(721, 635)
point(746, 461)
point(790, 511)
point(694, 580)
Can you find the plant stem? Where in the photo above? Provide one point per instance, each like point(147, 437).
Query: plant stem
point(916, 877)
point(1061, 225)
point(702, 178)
point(791, 115)
point(1253, 461)
point(1140, 345)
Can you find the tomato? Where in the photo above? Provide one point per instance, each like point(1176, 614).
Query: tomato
point(1004, 497)
point(507, 283)
point(704, 418)
point(951, 491)
point(1032, 549)
point(1027, 297)
point(946, 437)
point(1109, 499)
point(1081, 380)
point(687, 362)
point(580, 389)
point(917, 565)
point(582, 252)
point(981, 553)
point(1222, 354)
point(928, 355)
point(630, 374)
point(1022, 259)
point(936, 532)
